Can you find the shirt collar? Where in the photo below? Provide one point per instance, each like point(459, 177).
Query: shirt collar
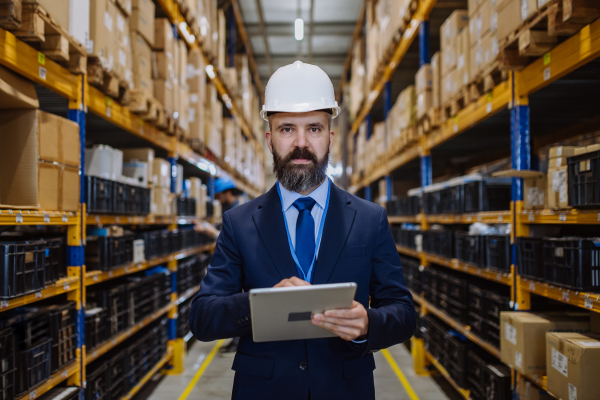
point(319, 195)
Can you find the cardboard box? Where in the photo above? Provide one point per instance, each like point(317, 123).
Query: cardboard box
point(480, 23)
point(562, 151)
point(22, 181)
point(125, 6)
point(450, 85)
point(509, 18)
point(558, 187)
point(424, 103)
point(58, 139)
point(103, 14)
point(161, 203)
point(573, 361)
point(58, 187)
point(161, 173)
point(16, 91)
point(79, 21)
point(142, 155)
point(487, 53)
point(463, 62)
point(580, 150)
point(138, 170)
point(164, 67)
point(473, 7)
point(530, 391)
point(535, 191)
point(142, 19)
point(436, 79)
point(449, 57)
point(142, 63)
point(163, 35)
point(522, 344)
point(57, 9)
point(557, 162)
point(182, 64)
point(424, 78)
point(528, 8)
point(458, 20)
point(165, 94)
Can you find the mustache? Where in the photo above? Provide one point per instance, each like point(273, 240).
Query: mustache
point(300, 153)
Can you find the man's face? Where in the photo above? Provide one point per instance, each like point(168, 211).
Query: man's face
point(300, 144)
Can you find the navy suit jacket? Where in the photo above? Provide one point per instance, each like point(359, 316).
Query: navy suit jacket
point(253, 252)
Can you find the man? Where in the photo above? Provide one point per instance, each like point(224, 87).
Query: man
point(275, 240)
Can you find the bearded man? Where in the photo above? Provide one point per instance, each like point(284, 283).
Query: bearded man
point(305, 231)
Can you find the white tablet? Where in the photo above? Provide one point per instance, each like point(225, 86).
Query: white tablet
point(286, 313)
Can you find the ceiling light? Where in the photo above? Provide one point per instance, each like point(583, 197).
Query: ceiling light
point(299, 24)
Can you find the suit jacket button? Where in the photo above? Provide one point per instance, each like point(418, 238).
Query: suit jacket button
point(303, 365)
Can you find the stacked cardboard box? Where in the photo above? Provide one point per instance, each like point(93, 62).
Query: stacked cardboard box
point(142, 40)
point(360, 150)
point(161, 197)
point(196, 81)
point(181, 87)
point(40, 155)
point(450, 38)
point(558, 185)
point(198, 192)
point(436, 80)
point(231, 132)
point(357, 78)
point(164, 64)
point(424, 88)
point(213, 121)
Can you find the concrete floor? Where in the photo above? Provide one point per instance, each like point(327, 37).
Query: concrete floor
point(217, 380)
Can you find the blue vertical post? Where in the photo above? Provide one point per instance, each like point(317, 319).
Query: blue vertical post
point(426, 170)
point(369, 126)
point(368, 193)
point(232, 37)
point(521, 146)
point(389, 187)
point(173, 162)
point(211, 188)
point(387, 99)
point(424, 43)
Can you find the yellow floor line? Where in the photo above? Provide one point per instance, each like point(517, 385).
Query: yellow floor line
point(400, 375)
point(201, 370)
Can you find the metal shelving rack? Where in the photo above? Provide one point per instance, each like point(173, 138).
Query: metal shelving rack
point(513, 96)
point(83, 99)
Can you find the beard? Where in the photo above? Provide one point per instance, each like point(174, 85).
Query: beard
point(300, 177)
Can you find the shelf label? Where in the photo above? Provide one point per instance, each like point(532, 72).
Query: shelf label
point(531, 286)
point(43, 72)
point(117, 219)
point(41, 58)
point(562, 217)
point(110, 274)
point(499, 277)
point(95, 354)
point(546, 59)
point(510, 333)
point(559, 362)
point(4, 304)
point(32, 395)
point(19, 218)
point(547, 74)
point(38, 295)
point(108, 112)
point(64, 374)
point(499, 218)
point(95, 278)
point(488, 108)
point(565, 296)
point(65, 218)
point(588, 304)
point(46, 218)
point(67, 287)
point(531, 218)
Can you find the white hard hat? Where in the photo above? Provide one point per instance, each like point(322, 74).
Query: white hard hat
point(299, 87)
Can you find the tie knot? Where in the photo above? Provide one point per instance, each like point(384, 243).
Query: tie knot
point(304, 203)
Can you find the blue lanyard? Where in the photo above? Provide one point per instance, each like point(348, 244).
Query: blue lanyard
point(307, 277)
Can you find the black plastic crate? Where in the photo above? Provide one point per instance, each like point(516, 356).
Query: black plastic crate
point(530, 257)
point(183, 318)
point(186, 206)
point(476, 295)
point(22, 267)
point(492, 332)
point(469, 248)
point(175, 241)
point(187, 238)
point(457, 347)
point(117, 383)
point(33, 365)
point(451, 199)
point(412, 273)
point(404, 206)
point(99, 194)
point(476, 324)
point(477, 363)
point(454, 309)
point(30, 326)
point(62, 328)
point(117, 303)
point(487, 195)
point(139, 200)
point(498, 382)
point(493, 304)
point(497, 252)
point(120, 198)
point(406, 238)
point(56, 259)
point(7, 364)
point(439, 242)
point(573, 263)
point(456, 288)
point(432, 202)
point(430, 285)
point(584, 180)
point(106, 252)
point(96, 387)
point(95, 327)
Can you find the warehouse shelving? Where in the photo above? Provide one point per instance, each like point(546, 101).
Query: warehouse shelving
point(188, 294)
point(111, 343)
point(464, 330)
point(70, 372)
point(149, 375)
point(59, 287)
point(464, 393)
point(94, 219)
point(35, 217)
point(507, 103)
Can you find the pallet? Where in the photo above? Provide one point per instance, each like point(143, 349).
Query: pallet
point(101, 76)
point(10, 14)
point(43, 33)
point(486, 81)
point(543, 31)
point(146, 106)
point(430, 121)
point(457, 103)
point(410, 135)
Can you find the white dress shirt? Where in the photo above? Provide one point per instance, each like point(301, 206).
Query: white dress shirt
point(291, 213)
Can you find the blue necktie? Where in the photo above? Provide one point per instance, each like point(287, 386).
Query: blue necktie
point(305, 232)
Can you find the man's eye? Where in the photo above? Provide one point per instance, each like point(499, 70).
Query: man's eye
point(287, 130)
point(315, 130)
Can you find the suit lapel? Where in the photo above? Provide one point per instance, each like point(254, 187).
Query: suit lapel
point(271, 227)
point(338, 223)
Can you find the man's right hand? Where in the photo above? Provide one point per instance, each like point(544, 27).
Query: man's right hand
point(293, 281)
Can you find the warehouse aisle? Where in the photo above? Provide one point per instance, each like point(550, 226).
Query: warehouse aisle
point(217, 379)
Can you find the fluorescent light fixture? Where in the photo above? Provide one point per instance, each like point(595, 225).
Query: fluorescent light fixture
point(299, 31)
point(202, 166)
point(212, 169)
point(210, 71)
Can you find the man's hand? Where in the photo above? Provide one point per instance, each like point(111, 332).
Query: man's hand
point(207, 229)
point(347, 324)
point(293, 281)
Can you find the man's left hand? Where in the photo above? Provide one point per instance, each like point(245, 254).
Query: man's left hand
point(348, 324)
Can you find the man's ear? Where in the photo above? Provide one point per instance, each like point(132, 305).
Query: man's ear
point(269, 143)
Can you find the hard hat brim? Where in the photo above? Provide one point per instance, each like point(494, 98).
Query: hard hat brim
point(335, 111)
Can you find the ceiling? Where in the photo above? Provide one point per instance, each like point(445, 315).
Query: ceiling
point(333, 23)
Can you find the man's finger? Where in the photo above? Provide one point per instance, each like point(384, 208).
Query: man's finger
point(299, 282)
point(340, 330)
point(349, 314)
point(354, 323)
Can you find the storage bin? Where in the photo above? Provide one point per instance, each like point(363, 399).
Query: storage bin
point(99, 193)
point(497, 252)
point(7, 364)
point(63, 333)
point(469, 248)
point(96, 382)
point(487, 195)
point(22, 267)
point(33, 366)
point(95, 327)
point(530, 253)
point(584, 180)
point(440, 243)
point(573, 263)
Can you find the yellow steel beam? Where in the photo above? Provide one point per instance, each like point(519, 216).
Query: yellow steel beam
point(485, 273)
point(568, 217)
point(407, 251)
point(94, 219)
point(589, 301)
point(52, 382)
point(62, 286)
point(464, 393)
point(34, 65)
point(37, 217)
point(571, 54)
point(492, 217)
